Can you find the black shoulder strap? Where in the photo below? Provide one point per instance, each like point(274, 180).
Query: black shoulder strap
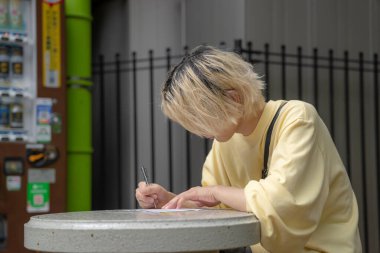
point(267, 141)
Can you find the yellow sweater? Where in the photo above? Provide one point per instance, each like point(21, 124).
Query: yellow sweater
point(306, 204)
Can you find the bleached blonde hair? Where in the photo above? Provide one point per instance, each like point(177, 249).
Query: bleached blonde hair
point(196, 92)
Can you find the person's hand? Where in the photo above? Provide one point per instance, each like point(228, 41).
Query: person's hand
point(195, 197)
point(152, 195)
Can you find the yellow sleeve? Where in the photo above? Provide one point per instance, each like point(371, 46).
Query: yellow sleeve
point(289, 202)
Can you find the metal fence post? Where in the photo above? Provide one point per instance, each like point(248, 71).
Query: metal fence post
point(347, 116)
point(102, 123)
point(169, 122)
point(332, 95)
point(118, 130)
point(267, 73)
point(135, 131)
point(283, 71)
point(299, 71)
point(238, 47)
point(315, 77)
point(362, 144)
point(377, 134)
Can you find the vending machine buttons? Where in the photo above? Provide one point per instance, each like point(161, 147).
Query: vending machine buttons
point(13, 166)
point(19, 136)
point(5, 135)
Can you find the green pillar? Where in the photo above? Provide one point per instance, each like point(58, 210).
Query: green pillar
point(79, 161)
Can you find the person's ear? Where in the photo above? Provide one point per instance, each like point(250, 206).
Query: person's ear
point(233, 94)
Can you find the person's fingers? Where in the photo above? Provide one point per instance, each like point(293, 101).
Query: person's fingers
point(186, 197)
point(180, 203)
point(146, 206)
point(190, 194)
point(141, 184)
point(202, 195)
point(172, 204)
point(177, 202)
point(150, 189)
point(144, 198)
point(196, 196)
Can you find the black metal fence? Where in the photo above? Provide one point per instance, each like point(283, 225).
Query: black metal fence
point(130, 130)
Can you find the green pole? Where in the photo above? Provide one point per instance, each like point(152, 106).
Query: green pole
point(79, 160)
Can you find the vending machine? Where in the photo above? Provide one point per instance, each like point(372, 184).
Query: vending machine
point(32, 115)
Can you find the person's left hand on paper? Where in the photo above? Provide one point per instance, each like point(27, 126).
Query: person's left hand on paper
point(198, 196)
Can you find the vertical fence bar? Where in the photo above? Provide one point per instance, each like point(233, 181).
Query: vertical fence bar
point(187, 143)
point(151, 93)
point(238, 47)
point(118, 131)
point(283, 71)
point(169, 122)
point(332, 95)
point(363, 147)
point(315, 77)
point(299, 70)
point(135, 131)
point(266, 62)
point(347, 116)
point(103, 148)
point(250, 52)
point(377, 127)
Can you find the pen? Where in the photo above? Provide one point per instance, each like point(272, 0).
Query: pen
point(147, 182)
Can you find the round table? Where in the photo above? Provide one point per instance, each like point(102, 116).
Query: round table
point(141, 230)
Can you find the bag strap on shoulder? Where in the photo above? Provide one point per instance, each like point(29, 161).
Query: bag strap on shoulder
point(267, 141)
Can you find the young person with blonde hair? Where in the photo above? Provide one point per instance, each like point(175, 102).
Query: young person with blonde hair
point(275, 159)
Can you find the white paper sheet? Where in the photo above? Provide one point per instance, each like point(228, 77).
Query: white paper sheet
point(168, 210)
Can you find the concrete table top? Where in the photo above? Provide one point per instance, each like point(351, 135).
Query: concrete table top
point(141, 231)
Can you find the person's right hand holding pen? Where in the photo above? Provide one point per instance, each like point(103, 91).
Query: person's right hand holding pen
point(152, 195)
point(143, 170)
point(155, 196)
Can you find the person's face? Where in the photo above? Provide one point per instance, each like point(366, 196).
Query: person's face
point(223, 135)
